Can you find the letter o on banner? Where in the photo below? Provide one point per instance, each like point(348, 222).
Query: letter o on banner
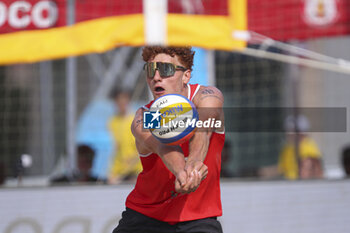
point(37, 14)
point(14, 20)
point(3, 13)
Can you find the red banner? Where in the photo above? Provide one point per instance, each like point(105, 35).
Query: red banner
point(279, 19)
point(30, 14)
point(39, 14)
point(35, 14)
point(299, 19)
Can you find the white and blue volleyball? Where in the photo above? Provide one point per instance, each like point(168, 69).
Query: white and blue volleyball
point(178, 117)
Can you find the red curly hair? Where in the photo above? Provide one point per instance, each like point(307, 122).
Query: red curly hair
point(185, 54)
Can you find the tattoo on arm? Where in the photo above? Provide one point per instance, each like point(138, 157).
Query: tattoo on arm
point(139, 121)
point(138, 118)
point(208, 92)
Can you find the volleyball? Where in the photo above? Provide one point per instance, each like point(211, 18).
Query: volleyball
point(177, 116)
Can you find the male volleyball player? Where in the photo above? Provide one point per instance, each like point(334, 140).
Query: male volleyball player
point(178, 189)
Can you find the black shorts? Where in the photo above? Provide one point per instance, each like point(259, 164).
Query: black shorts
point(135, 222)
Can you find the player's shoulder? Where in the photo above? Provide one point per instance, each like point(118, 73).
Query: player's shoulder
point(208, 95)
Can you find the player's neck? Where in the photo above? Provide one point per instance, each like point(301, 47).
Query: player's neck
point(185, 91)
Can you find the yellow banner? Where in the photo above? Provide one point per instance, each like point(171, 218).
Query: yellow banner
point(100, 35)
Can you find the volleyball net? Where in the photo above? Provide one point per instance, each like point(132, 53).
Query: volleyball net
point(60, 60)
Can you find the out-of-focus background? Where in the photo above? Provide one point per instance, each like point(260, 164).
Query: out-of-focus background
point(71, 77)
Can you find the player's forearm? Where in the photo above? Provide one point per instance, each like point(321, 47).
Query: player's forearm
point(199, 145)
point(172, 157)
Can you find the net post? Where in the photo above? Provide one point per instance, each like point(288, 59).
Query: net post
point(71, 96)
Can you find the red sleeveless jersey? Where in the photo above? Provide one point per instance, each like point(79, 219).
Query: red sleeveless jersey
point(154, 193)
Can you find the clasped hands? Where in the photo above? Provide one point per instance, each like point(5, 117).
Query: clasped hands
point(189, 179)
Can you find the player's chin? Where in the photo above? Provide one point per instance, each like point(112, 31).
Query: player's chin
point(158, 94)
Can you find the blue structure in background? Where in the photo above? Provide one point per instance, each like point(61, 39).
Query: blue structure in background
point(200, 72)
point(93, 131)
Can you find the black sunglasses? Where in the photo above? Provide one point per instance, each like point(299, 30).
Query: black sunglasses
point(165, 69)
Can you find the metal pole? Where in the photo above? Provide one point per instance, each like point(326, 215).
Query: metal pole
point(295, 76)
point(71, 95)
point(47, 129)
point(211, 67)
point(155, 13)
